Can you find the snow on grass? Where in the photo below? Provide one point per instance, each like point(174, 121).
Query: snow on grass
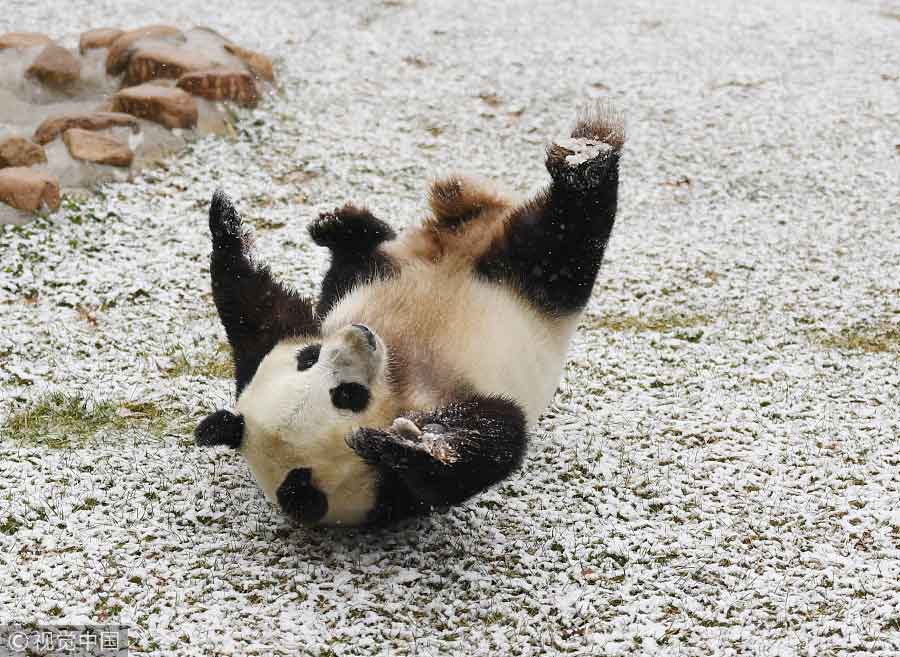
point(719, 472)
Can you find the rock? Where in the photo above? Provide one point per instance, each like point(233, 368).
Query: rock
point(91, 147)
point(19, 152)
point(49, 129)
point(259, 64)
point(121, 49)
point(162, 61)
point(28, 189)
point(55, 67)
point(221, 84)
point(102, 37)
point(172, 107)
point(20, 40)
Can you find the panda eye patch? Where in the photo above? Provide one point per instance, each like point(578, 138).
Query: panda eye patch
point(308, 356)
point(350, 396)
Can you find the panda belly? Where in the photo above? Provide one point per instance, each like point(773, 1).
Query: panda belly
point(460, 327)
point(512, 350)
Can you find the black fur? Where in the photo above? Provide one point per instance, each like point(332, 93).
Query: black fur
point(469, 446)
point(554, 245)
point(301, 500)
point(350, 396)
point(256, 310)
point(353, 235)
point(308, 357)
point(220, 428)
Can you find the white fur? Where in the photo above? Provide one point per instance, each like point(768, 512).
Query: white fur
point(482, 331)
point(290, 423)
point(452, 328)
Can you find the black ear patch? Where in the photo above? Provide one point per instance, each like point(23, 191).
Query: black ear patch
point(220, 428)
point(350, 396)
point(300, 499)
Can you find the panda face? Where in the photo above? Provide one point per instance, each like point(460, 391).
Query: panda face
point(306, 397)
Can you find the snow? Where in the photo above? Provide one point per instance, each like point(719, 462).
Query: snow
point(720, 470)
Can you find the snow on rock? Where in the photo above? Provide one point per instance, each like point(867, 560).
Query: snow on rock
point(46, 88)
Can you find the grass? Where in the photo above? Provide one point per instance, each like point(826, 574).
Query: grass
point(59, 420)
point(212, 366)
point(873, 339)
point(659, 324)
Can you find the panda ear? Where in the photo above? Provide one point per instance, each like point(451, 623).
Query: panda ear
point(221, 428)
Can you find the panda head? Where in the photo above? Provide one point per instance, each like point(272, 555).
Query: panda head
point(292, 420)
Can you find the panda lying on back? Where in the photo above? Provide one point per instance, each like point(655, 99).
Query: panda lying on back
point(413, 381)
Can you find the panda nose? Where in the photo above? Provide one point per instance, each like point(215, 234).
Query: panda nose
point(370, 337)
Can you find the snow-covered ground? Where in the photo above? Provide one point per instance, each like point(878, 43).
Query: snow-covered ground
point(720, 471)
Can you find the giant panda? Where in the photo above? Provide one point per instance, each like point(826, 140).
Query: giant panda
point(412, 381)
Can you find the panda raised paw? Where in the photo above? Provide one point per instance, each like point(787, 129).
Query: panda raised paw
point(582, 160)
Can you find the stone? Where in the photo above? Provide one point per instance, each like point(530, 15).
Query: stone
point(55, 67)
point(49, 129)
point(92, 147)
point(170, 106)
point(259, 64)
point(121, 49)
point(221, 84)
point(162, 61)
point(102, 37)
point(19, 40)
point(28, 189)
point(19, 152)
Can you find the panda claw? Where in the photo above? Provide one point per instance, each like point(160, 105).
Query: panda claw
point(406, 428)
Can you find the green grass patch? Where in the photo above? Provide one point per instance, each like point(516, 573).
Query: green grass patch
point(211, 366)
point(875, 339)
point(642, 323)
point(59, 420)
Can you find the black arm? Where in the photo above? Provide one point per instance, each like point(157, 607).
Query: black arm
point(444, 456)
point(256, 310)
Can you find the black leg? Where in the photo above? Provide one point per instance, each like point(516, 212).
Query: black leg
point(301, 500)
point(553, 245)
point(353, 235)
point(255, 309)
point(444, 456)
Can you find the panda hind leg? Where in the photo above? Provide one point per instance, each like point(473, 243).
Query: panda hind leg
point(553, 245)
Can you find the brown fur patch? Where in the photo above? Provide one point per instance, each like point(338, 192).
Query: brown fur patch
point(456, 200)
point(468, 218)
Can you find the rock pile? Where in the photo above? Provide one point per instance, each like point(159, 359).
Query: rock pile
point(73, 117)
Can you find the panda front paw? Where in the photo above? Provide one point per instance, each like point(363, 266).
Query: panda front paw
point(224, 222)
point(385, 447)
point(404, 445)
